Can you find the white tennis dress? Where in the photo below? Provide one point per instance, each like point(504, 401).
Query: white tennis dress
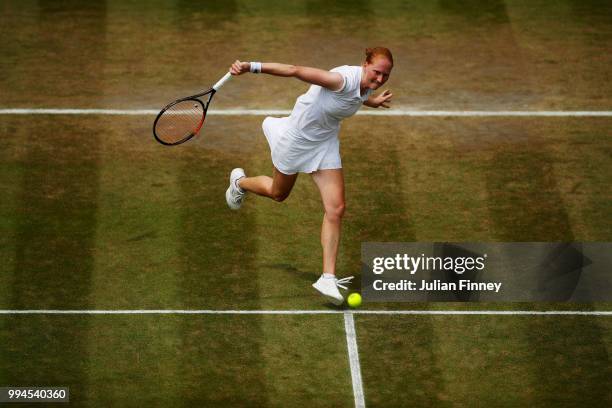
point(307, 140)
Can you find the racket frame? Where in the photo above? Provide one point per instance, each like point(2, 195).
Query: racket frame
point(196, 98)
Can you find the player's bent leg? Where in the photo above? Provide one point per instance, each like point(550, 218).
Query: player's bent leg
point(260, 185)
point(277, 187)
point(282, 184)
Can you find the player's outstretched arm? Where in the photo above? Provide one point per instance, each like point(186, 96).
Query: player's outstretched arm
point(315, 76)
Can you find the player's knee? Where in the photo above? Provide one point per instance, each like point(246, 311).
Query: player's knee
point(335, 212)
point(279, 196)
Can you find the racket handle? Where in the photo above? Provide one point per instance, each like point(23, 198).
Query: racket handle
point(222, 81)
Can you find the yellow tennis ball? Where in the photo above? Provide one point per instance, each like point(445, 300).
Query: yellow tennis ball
point(354, 300)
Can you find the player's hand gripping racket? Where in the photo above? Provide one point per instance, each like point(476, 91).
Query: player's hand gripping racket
point(182, 119)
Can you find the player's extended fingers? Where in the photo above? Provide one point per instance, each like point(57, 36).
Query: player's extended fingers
point(385, 100)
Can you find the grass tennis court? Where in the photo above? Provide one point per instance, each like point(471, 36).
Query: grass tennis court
point(94, 215)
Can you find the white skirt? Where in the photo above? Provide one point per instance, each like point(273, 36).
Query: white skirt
point(292, 153)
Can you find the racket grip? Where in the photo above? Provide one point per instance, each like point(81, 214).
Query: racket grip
point(222, 81)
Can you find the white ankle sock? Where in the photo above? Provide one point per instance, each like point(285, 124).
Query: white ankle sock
point(328, 275)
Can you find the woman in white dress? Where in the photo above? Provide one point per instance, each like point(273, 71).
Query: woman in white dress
point(307, 142)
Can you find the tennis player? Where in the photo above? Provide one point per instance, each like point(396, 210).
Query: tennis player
point(307, 142)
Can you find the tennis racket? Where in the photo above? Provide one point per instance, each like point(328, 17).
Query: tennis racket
point(182, 119)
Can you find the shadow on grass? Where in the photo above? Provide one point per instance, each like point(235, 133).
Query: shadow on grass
point(292, 270)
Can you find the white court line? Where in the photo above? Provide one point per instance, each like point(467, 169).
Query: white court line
point(314, 312)
point(353, 354)
point(280, 112)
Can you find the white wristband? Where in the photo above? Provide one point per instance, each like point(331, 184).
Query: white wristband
point(256, 67)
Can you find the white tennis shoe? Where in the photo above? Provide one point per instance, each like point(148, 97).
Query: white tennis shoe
point(328, 287)
point(234, 194)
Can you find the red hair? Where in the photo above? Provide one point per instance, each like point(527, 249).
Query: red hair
point(372, 53)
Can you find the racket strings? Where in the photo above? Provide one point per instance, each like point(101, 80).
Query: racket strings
point(180, 121)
